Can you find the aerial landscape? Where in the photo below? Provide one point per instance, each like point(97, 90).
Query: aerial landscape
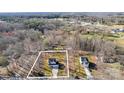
point(62, 46)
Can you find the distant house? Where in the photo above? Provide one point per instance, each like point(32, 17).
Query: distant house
point(85, 23)
point(113, 31)
point(117, 30)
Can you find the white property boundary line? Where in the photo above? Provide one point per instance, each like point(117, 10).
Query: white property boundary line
point(34, 64)
point(50, 51)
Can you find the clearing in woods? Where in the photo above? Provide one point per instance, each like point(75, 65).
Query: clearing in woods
point(41, 68)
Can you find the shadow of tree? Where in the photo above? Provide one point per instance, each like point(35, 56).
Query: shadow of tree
point(41, 74)
point(92, 66)
point(61, 66)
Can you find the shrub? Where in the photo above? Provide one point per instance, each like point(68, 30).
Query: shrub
point(3, 61)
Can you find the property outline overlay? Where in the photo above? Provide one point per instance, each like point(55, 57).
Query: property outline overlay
point(50, 51)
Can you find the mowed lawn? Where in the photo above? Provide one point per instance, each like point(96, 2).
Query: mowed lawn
point(60, 57)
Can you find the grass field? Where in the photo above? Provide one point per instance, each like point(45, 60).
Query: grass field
point(61, 57)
